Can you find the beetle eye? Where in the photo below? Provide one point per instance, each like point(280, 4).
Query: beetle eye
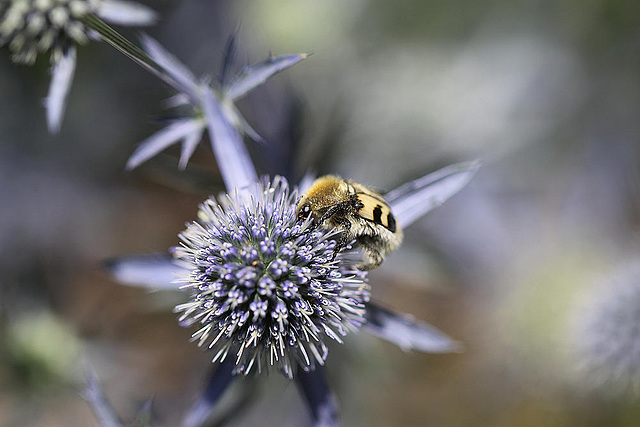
point(305, 211)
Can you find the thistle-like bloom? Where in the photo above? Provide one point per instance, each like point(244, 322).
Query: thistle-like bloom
point(31, 27)
point(209, 108)
point(248, 262)
point(267, 289)
point(606, 336)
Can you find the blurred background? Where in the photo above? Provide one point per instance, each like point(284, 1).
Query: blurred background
point(534, 265)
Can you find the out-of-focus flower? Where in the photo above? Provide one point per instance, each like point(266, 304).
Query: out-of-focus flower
point(606, 335)
point(31, 27)
point(33, 345)
point(208, 107)
point(267, 289)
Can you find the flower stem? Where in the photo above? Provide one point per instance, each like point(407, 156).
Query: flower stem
point(128, 49)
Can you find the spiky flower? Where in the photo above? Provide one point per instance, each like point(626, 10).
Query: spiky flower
point(267, 289)
point(30, 27)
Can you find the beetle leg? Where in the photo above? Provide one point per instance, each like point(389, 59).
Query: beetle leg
point(372, 254)
point(338, 214)
point(339, 208)
point(344, 240)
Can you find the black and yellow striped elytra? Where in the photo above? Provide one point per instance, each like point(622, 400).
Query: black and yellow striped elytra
point(375, 209)
point(360, 213)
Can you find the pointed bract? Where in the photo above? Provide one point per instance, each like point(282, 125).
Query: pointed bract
point(417, 198)
point(189, 145)
point(96, 397)
point(231, 154)
point(182, 130)
point(319, 399)
point(155, 271)
point(61, 79)
point(408, 333)
point(126, 13)
point(185, 81)
point(256, 74)
point(241, 124)
point(228, 60)
point(217, 384)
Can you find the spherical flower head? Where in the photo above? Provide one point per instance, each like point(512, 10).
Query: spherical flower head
point(606, 334)
point(268, 289)
point(30, 27)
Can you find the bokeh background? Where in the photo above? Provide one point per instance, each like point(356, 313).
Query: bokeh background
point(534, 265)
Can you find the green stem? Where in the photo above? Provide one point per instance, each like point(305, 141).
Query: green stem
point(121, 44)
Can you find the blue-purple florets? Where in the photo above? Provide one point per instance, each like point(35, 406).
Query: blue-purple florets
point(267, 287)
